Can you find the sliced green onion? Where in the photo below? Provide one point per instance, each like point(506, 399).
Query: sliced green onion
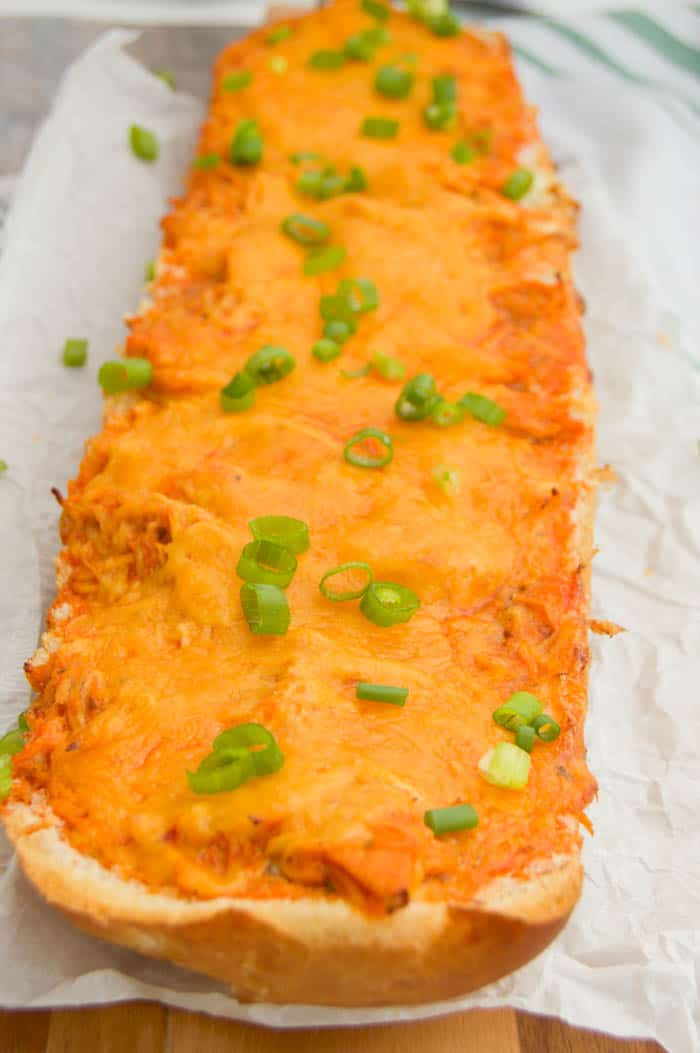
point(167, 77)
point(388, 368)
point(506, 765)
point(278, 64)
point(525, 738)
point(355, 374)
point(518, 183)
point(3, 466)
point(265, 608)
point(22, 723)
point(445, 88)
point(266, 563)
point(448, 479)
point(544, 726)
point(451, 820)
point(443, 25)
point(247, 145)
point(270, 364)
point(337, 309)
point(395, 696)
point(346, 594)
point(521, 708)
point(301, 156)
point(445, 413)
point(319, 261)
point(356, 181)
point(310, 183)
point(265, 761)
point(379, 128)
point(237, 81)
point(359, 47)
point(327, 60)
point(338, 331)
point(376, 35)
point(462, 153)
point(239, 393)
point(325, 350)
point(387, 604)
point(394, 82)
point(278, 34)
point(331, 185)
point(375, 9)
point(292, 534)
point(360, 294)
point(305, 230)
point(127, 374)
point(5, 775)
point(75, 353)
point(144, 144)
point(205, 162)
point(11, 743)
point(484, 409)
point(440, 116)
point(369, 437)
point(222, 771)
point(149, 270)
point(417, 398)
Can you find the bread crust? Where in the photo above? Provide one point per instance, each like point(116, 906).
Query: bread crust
point(289, 951)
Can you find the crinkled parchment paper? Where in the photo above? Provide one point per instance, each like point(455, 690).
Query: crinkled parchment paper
point(83, 222)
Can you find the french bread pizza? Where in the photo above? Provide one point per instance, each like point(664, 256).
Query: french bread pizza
point(308, 711)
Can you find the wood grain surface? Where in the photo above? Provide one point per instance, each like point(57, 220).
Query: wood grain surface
point(33, 55)
point(140, 1028)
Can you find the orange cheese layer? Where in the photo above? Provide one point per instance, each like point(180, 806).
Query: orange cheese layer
point(149, 656)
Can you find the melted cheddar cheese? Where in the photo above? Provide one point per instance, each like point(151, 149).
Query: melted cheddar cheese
point(149, 657)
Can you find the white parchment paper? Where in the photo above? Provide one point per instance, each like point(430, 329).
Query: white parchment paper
point(84, 220)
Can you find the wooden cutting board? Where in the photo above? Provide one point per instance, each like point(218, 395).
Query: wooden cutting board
point(153, 1029)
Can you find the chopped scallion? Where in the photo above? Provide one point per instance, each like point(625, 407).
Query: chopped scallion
point(266, 563)
point(75, 353)
point(451, 820)
point(518, 183)
point(395, 696)
point(361, 449)
point(247, 145)
point(385, 603)
point(127, 374)
point(506, 765)
point(278, 34)
point(239, 393)
point(265, 608)
point(144, 144)
point(205, 162)
point(394, 82)
point(318, 261)
point(325, 349)
point(327, 60)
point(346, 594)
point(270, 364)
point(237, 81)
point(521, 708)
point(483, 408)
point(305, 230)
point(388, 368)
point(379, 128)
point(292, 534)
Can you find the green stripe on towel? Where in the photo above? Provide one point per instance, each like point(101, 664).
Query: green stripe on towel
point(673, 49)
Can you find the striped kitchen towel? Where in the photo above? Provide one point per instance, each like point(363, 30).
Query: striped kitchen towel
point(656, 50)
